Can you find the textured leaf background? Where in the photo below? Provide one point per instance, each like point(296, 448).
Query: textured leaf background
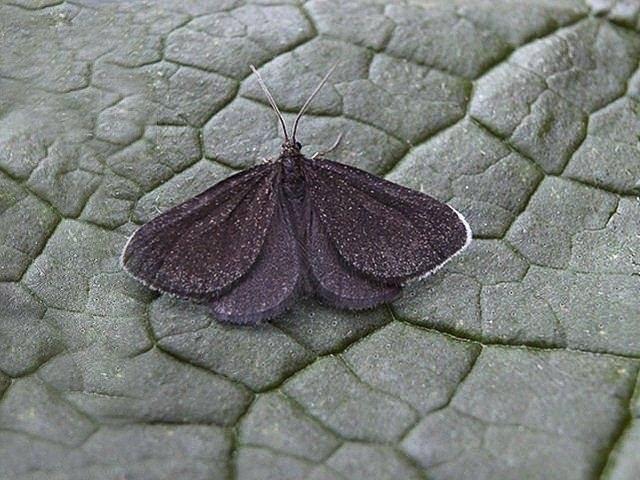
point(519, 360)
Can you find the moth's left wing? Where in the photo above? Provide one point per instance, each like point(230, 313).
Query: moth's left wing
point(388, 232)
point(201, 247)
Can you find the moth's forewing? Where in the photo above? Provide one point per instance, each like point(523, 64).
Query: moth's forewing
point(272, 284)
point(382, 230)
point(199, 248)
point(335, 281)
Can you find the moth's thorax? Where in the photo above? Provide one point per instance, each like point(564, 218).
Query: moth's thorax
point(292, 178)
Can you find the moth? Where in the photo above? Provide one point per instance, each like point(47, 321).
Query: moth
point(251, 245)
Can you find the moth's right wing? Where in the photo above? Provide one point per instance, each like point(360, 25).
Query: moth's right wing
point(334, 280)
point(201, 247)
point(387, 232)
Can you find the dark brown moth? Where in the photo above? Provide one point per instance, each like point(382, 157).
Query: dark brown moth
point(252, 244)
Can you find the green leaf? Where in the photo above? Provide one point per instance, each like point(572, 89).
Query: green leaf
point(518, 360)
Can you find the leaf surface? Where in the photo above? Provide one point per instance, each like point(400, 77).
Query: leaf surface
point(518, 360)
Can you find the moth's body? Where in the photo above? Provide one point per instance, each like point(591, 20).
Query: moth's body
point(252, 244)
point(293, 195)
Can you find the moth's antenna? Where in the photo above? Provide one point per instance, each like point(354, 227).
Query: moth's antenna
point(271, 101)
point(330, 149)
point(311, 97)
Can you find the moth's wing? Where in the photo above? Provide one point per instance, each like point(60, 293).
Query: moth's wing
point(334, 281)
point(199, 248)
point(273, 283)
point(388, 232)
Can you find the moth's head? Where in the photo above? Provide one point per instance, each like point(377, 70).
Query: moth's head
point(290, 148)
